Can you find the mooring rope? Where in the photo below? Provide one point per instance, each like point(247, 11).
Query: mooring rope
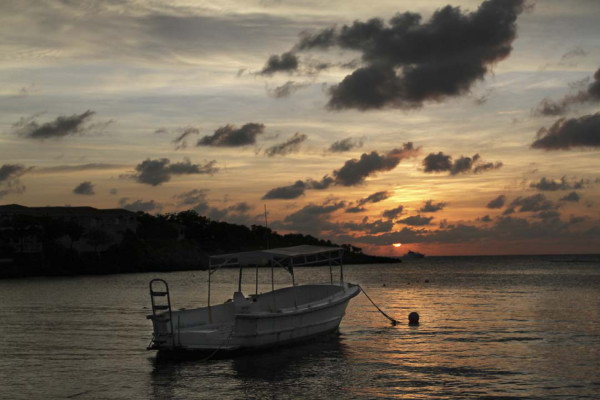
point(221, 346)
point(392, 320)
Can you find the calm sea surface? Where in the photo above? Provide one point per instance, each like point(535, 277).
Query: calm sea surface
point(491, 327)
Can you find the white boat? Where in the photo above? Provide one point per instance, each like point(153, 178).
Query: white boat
point(278, 317)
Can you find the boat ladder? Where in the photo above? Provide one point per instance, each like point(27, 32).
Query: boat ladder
point(161, 310)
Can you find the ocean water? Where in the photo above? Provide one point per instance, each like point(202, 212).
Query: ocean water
point(491, 328)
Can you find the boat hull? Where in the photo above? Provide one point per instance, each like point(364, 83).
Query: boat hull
point(272, 319)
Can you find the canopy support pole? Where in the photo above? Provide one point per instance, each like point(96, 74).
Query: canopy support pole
point(341, 267)
point(330, 271)
point(240, 280)
point(293, 282)
point(209, 310)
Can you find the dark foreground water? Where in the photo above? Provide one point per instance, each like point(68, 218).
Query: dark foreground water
point(491, 327)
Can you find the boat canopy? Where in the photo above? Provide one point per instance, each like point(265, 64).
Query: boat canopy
point(284, 257)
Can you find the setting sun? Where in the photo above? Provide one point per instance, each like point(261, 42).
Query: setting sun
point(397, 244)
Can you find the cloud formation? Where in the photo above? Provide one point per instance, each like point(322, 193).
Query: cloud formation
point(230, 136)
point(346, 144)
point(393, 213)
point(498, 202)
point(533, 203)
point(407, 62)
point(180, 141)
point(352, 173)
point(546, 226)
point(155, 172)
point(197, 201)
point(591, 94)
point(373, 228)
point(312, 218)
point(292, 145)
point(85, 188)
point(416, 220)
point(79, 168)
point(572, 197)
point(62, 126)
point(546, 184)
point(430, 206)
point(441, 162)
point(372, 198)
point(9, 178)
point(286, 90)
point(292, 191)
point(565, 134)
point(139, 205)
point(287, 62)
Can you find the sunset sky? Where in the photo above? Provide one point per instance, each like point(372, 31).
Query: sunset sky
point(461, 127)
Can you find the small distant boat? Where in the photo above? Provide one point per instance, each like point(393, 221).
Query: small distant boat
point(281, 316)
point(414, 254)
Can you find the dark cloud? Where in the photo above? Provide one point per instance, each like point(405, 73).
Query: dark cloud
point(416, 220)
point(114, 191)
point(312, 218)
point(441, 162)
point(287, 62)
point(355, 209)
point(345, 145)
point(498, 202)
point(567, 133)
point(9, 178)
point(286, 192)
point(155, 172)
point(353, 172)
point(548, 215)
point(79, 168)
point(567, 58)
point(573, 197)
point(551, 107)
point(533, 203)
point(180, 141)
point(430, 206)
point(192, 197)
point(12, 171)
point(375, 227)
point(236, 213)
point(576, 220)
point(297, 189)
point(393, 213)
point(375, 197)
point(291, 145)
point(407, 62)
point(287, 89)
point(197, 201)
point(139, 205)
point(546, 184)
point(486, 166)
point(62, 126)
point(85, 188)
point(509, 211)
point(230, 136)
point(486, 218)
point(547, 225)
